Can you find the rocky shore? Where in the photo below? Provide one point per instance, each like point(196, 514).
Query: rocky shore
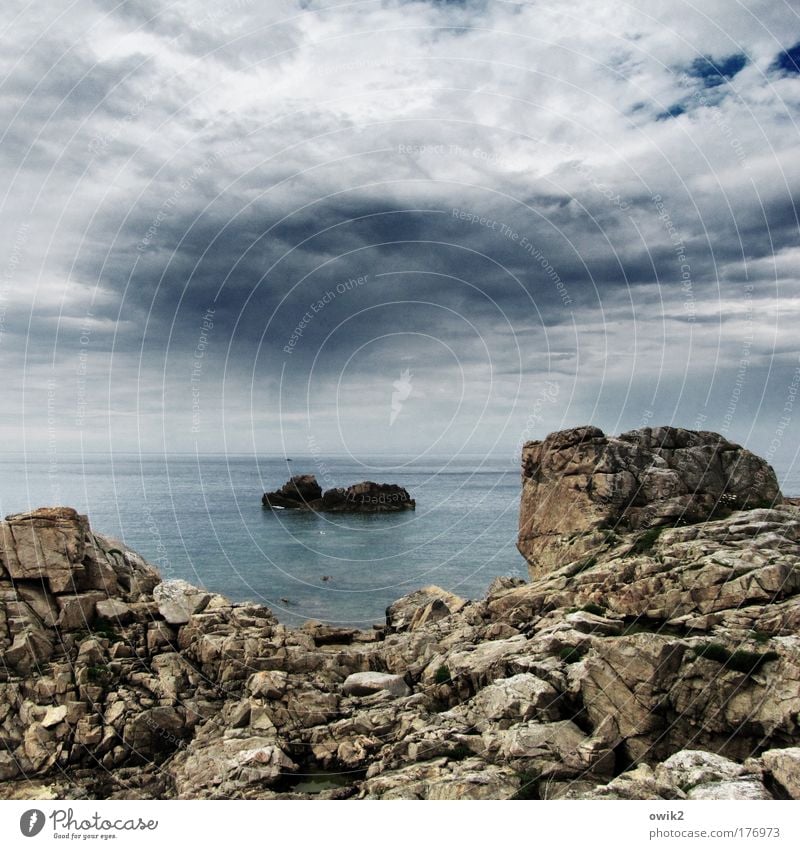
point(654, 654)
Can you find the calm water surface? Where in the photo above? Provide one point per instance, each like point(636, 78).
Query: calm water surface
point(201, 519)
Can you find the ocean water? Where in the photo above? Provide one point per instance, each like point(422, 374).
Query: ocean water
point(200, 518)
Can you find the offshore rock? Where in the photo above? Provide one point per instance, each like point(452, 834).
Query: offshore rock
point(302, 492)
point(299, 492)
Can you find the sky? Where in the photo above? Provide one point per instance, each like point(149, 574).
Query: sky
point(397, 227)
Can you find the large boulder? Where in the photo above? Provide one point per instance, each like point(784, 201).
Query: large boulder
point(579, 486)
point(227, 767)
point(46, 545)
point(178, 600)
point(421, 607)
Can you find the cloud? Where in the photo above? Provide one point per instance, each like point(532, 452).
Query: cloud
point(595, 194)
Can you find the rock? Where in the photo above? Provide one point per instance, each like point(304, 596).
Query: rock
point(689, 768)
point(302, 492)
point(228, 767)
point(135, 576)
point(743, 789)
point(330, 635)
point(31, 649)
point(77, 611)
point(158, 729)
point(45, 544)
point(625, 679)
point(9, 768)
point(237, 715)
point(92, 652)
point(160, 635)
point(441, 779)
point(552, 749)
point(40, 748)
point(268, 685)
point(638, 783)
point(784, 766)
point(367, 683)
point(54, 716)
point(40, 601)
point(479, 665)
point(88, 732)
point(501, 584)
point(178, 601)
point(519, 698)
point(580, 485)
point(368, 497)
point(422, 606)
point(113, 610)
point(299, 492)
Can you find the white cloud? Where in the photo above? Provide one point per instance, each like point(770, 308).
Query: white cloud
point(540, 117)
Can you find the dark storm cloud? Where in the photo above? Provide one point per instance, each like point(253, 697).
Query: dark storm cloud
point(624, 172)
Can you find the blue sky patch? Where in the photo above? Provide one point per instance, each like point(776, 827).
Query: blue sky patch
point(788, 60)
point(673, 112)
point(716, 72)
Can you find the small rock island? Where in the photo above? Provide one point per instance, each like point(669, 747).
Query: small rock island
point(302, 492)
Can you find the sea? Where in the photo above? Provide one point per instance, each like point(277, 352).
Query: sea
point(200, 518)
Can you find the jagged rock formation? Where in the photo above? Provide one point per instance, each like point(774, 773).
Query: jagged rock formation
point(580, 485)
point(302, 492)
point(665, 665)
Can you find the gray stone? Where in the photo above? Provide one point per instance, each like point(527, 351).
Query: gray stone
point(48, 544)
point(30, 650)
point(742, 789)
point(429, 604)
point(77, 611)
point(784, 766)
point(113, 610)
point(690, 768)
point(367, 683)
point(178, 600)
point(579, 484)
